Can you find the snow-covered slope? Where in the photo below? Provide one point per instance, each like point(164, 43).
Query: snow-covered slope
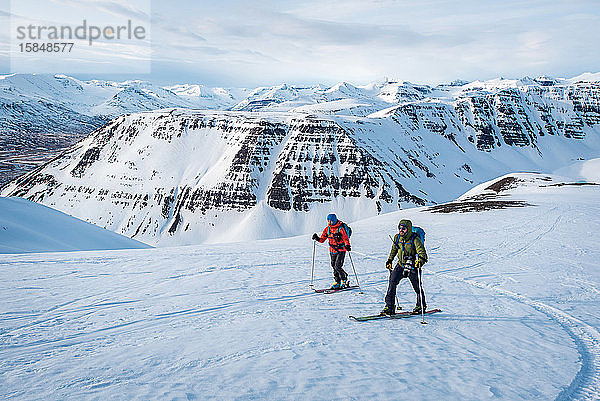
point(36, 105)
point(587, 170)
point(41, 115)
point(30, 227)
point(518, 287)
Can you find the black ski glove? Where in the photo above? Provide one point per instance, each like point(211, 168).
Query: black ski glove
point(348, 248)
point(315, 237)
point(388, 264)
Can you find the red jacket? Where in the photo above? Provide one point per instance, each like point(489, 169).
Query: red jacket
point(338, 238)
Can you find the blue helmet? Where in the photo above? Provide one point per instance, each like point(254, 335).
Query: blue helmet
point(332, 217)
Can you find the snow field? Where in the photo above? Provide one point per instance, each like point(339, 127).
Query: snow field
point(518, 289)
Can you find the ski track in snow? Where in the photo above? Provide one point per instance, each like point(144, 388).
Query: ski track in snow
point(586, 384)
point(504, 244)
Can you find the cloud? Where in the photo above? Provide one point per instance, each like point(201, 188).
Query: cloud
point(281, 26)
point(176, 28)
point(121, 10)
point(361, 40)
point(187, 50)
point(132, 9)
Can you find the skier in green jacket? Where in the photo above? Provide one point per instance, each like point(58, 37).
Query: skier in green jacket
point(411, 257)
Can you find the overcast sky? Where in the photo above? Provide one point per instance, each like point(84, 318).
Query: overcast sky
point(252, 43)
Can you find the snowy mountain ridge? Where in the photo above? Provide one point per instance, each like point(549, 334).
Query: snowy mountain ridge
point(177, 176)
point(27, 101)
point(41, 115)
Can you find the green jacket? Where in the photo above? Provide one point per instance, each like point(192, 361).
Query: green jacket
point(405, 246)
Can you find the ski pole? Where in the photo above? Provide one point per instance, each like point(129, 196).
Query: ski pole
point(421, 295)
point(365, 255)
point(355, 275)
point(312, 271)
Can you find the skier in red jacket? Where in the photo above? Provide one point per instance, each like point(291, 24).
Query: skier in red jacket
point(338, 245)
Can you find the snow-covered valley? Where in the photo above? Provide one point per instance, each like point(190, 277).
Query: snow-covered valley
point(518, 287)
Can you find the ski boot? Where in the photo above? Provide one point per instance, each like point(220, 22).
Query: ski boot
point(336, 286)
point(417, 310)
point(388, 311)
point(345, 283)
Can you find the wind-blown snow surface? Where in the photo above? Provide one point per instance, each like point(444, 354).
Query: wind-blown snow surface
point(518, 287)
point(26, 227)
point(586, 170)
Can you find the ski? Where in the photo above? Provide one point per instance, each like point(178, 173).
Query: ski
point(331, 290)
point(396, 316)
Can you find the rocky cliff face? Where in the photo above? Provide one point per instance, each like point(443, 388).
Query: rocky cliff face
point(154, 174)
point(178, 176)
point(520, 116)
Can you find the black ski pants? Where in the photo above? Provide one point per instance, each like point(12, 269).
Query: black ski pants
point(337, 261)
point(395, 277)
